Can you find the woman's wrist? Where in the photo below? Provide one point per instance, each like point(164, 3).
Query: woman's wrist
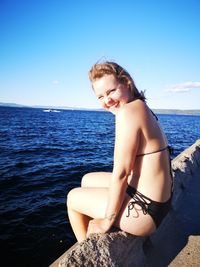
point(109, 219)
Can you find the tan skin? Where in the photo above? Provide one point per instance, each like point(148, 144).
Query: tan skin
point(101, 201)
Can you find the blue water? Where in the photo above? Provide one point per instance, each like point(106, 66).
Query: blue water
point(42, 156)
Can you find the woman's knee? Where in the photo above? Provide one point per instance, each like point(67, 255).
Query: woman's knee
point(86, 180)
point(72, 198)
point(96, 179)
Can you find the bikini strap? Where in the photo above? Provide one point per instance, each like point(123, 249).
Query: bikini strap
point(154, 114)
point(171, 152)
point(162, 149)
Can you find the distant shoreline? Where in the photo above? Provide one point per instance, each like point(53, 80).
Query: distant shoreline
point(193, 112)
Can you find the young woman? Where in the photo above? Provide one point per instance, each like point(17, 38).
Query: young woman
point(136, 196)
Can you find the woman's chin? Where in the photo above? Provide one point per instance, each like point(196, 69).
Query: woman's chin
point(114, 110)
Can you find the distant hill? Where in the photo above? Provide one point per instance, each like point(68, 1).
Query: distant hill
point(11, 105)
point(2, 104)
point(178, 111)
point(157, 111)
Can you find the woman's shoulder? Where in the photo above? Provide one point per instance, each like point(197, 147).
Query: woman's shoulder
point(135, 109)
point(132, 113)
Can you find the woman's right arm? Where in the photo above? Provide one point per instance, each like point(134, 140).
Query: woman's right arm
point(127, 139)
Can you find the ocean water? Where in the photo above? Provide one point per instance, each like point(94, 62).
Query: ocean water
point(42, 156)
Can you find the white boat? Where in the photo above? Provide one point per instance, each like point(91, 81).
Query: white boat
point(51, 110)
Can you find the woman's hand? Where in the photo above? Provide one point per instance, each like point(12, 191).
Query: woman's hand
point(98, 226)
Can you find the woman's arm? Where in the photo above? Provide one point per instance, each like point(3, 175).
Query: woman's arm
point(126, 145)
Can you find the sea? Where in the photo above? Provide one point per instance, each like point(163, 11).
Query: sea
point(43, 155)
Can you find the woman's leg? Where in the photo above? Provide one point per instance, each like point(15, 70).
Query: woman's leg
point(90, 201)
point(79, 202)
point(83, 204)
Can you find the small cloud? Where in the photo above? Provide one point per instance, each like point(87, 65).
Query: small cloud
point(55, 82)
point(183, 87)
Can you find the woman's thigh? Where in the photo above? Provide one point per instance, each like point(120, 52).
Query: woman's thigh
point(96, 179)
point(89, 201)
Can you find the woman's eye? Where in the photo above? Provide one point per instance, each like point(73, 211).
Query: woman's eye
point(113, 90)
point(100, 97)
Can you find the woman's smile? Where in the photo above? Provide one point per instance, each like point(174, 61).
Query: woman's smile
point(114, 106)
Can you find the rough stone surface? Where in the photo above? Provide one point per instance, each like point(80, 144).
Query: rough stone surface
point(175, 243)
point(113, 249)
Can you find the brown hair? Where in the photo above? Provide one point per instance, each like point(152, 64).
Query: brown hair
point(98, 70)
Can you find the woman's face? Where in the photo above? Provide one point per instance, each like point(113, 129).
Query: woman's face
point(111, 94)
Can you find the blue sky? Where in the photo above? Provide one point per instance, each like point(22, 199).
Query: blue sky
point(47, 48)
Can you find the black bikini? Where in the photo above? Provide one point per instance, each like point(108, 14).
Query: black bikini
point(157, 210)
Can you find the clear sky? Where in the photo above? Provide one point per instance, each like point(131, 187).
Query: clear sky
point(48, 46)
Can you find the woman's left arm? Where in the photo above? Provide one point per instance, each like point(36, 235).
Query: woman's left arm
point(126, 145)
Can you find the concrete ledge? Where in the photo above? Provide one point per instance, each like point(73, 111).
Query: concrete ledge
point(177, 236)
point(189, 256)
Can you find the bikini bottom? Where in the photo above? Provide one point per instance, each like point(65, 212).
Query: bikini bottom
point(157, 210)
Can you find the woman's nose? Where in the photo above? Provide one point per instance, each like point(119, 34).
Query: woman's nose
point(107, 100)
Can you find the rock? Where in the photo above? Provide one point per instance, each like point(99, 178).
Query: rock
point(112, 249)
point(169, 245)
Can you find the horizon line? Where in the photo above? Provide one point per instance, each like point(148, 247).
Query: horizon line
point(11, 104)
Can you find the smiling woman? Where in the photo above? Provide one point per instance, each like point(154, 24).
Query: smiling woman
point(136, 195)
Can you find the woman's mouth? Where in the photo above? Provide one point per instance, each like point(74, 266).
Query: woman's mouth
point(114, 106)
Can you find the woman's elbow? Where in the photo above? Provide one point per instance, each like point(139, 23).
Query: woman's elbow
point(121, 176)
